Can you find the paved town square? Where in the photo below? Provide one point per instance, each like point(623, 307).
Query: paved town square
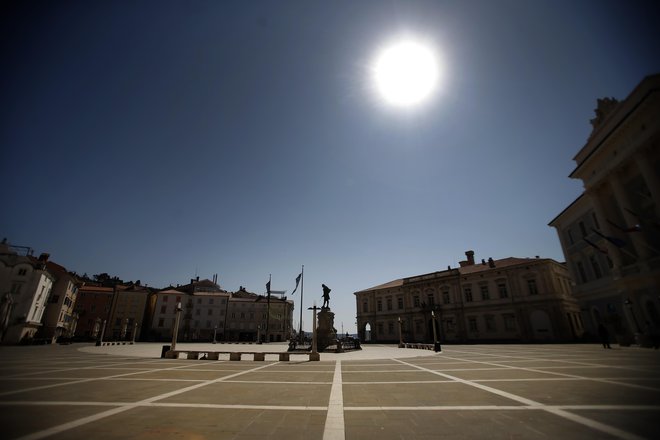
point(464, 392)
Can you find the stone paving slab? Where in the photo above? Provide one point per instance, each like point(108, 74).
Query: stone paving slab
point(419, 395)
point(212, 424)
point(571, 392)
point(98, 391)
point(392, 376)
point(284, 376)
point(287, 394)
point(433, 425)
point(640, 422)
point(499, 373)
point(17, 421)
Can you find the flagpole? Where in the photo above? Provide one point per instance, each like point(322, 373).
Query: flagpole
point(302, 290)
point(268, 311)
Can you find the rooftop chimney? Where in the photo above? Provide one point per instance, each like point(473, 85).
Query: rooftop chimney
point(470, 257)
point(483, 261)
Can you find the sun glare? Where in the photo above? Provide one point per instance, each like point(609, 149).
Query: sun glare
point(405, 73)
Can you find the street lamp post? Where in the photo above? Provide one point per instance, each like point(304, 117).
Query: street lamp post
point(629, 303)
point(102, 333)
point(176, 325)
point(436, 343)
point(400, 333)
point(314, 356)
point(135, 327)
point(215, 332)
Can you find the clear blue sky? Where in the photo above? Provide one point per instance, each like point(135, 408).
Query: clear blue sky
point(156, 140)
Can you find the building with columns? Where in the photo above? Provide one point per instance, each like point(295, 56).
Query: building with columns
point(505, 300)
point(610, 234)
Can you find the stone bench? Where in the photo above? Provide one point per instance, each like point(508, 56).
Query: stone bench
point(237, 355)
point(418, 346)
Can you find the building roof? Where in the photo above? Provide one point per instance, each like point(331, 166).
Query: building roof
point(171, 291)
point(88, 288)
point(502, 263)
point(498, 264)
point(394, 283)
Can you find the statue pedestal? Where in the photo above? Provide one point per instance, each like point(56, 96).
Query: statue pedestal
point(326, 334)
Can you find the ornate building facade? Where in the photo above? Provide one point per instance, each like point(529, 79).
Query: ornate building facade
point(505, 300)
point(610, 234)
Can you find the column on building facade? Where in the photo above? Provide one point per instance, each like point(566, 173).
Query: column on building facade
point(613, 252)
point(624, 202)
point(651, 179)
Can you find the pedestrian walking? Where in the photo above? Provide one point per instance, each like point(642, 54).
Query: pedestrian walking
point(604, 335)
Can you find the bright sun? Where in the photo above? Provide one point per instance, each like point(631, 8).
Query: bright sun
point(405, 73)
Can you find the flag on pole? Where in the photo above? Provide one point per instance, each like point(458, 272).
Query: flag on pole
point(268, 287)
point(634, 228)
point(297, 282)
point(595, 246)
point(615, 241)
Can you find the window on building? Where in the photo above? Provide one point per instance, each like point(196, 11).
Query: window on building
point(431, 298)
point(163, 309)
point(379, 305)
point(468, 294)
point(490, 323)
point(472, 324)
point(54, 299)
point(416, 300)
point(583, 230)
point(210, 300)
point(399, 302)
point(449, 325)
point(165, 297)
point(581, 273)
point(596, 267)
point(196, 324)
point(199, 300)
point(509, 322)
point(380, 328)
point(501, 288)
point(22, 272)
point(390, 328)
point(242, 315)
point(161, 322)
point(485, 294)
point(197, 312)
point(389, 303)
point(365, 307)
point(233, 315)
point(445, 297)
point(210, 312)
point(531, 286)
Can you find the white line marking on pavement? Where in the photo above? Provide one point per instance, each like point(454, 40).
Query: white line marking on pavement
point(553, 410)
point(566, 375)
point(98, 416)
point(43, 387)
point(334, 422)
